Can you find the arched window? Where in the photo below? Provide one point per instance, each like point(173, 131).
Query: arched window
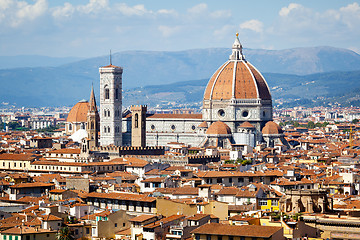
point(108, 113)
point(108, 129)
point(116, 93)
point(70, 127)
point(104, 129)
point(136, 120)
point(107, 93)
point(92, 125)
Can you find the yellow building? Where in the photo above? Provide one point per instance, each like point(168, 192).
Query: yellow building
point(269, 205)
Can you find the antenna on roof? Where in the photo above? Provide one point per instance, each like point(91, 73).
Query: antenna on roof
point(110, 58)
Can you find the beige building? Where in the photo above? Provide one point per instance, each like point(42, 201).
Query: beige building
point(216, 231)
point(16, 162)
point(188, 207)
point(27, 233)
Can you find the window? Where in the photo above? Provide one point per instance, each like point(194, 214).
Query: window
point(87, 230)
point(107, 93)
point(219, 238)
point(231, 238)
point(251, 179)
point(208, 237)
point(219, 180)
point(245, 113)
point(123, 224)
point(147, 185)
point(47, 235)
point(4, 237)
point(173, 127)
point(115, 224)
point(117, 93)
point(136, 120)
point(230, 180)
point(240, 179)
point(262, 202)
point(274, 202)
point(70, 127)
point(221, 113)
point(197, 237)
point(76, 231)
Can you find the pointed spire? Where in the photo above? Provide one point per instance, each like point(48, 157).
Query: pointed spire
point(237, 50)
point(92, 103)
point(110, 58)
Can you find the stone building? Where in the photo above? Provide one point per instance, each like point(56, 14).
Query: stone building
point(311, 201)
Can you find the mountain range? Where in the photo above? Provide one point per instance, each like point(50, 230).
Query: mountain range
point(319, 71)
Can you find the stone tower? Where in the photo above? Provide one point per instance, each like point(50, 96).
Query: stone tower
point(138, 126)
point(110, 105)
point(93, 121)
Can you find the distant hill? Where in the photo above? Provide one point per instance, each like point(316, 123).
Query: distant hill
point(7, 62)
point(320, 88)
point(70, 82)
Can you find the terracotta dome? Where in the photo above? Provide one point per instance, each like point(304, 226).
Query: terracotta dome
point(79, 112)
point(272, 128)
point(203, 125)
point(237, 79)
point(247, 125)
point(218, 128)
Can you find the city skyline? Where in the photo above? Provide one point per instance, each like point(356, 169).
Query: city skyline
point(91, 28)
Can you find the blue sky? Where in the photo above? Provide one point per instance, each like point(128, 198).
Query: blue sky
point(89, 28)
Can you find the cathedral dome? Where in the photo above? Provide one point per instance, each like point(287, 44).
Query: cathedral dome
point(219, 128)
point(271, 128)
point(79, 112)
point(246, 125)
point(237, 79)
point(203, 125)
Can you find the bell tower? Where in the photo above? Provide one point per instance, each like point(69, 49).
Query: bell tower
point(92, 126)
point(110, 105)
point(138, 126)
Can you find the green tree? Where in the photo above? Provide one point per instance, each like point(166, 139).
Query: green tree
point(64, 234)
point(296, 124)
point(310, 125)
point(355, 121)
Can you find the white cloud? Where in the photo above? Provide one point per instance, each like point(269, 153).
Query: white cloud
point(167, 11)
point(254, 25)
point(198, 9)
point(225, 31)
point(65, 11)
point(137, 10)
point(285, 11)
point(93, 6)
point(14, 13)
point(350, 15)
point(167, 31)
point(221, 14)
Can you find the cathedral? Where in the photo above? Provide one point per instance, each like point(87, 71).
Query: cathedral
point(237, 110)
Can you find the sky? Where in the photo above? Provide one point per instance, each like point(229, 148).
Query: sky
point(89, 28)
